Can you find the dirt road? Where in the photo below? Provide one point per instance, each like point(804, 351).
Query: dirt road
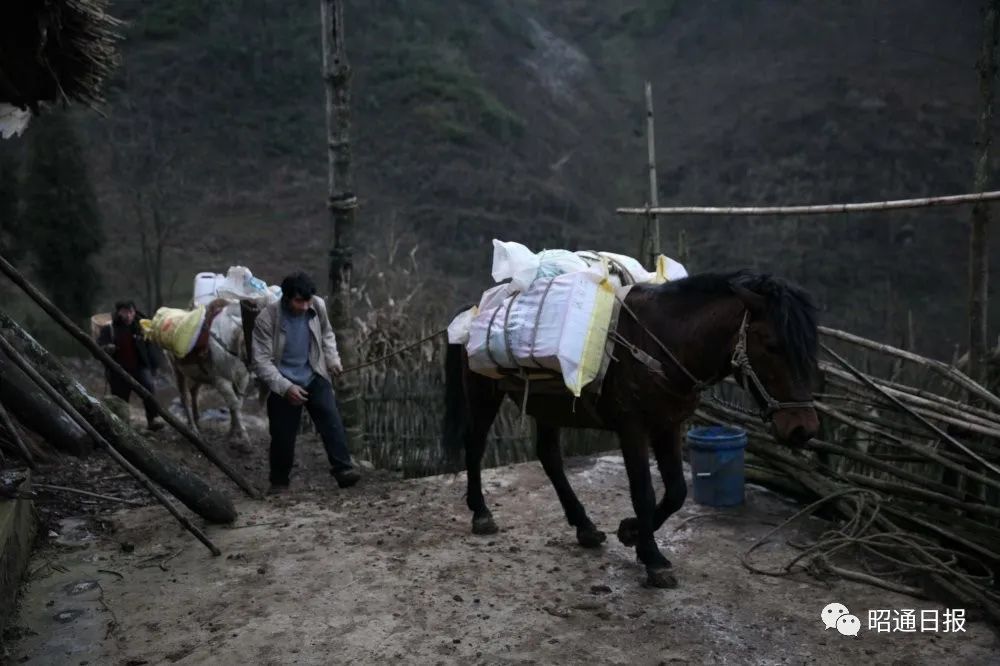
point(388, 572)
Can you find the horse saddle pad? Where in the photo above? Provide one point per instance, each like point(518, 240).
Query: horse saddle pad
point(200, 350)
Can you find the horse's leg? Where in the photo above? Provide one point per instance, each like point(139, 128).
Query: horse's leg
point(240, 383)
point(471, 404)
point(228, 393)
point(667, 447)
point(182, 389)
point(195, 414)
point(236, 418)
point(635, 450)
point(550, 455)
point(484, 404)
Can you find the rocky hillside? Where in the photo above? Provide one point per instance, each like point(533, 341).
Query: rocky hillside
point(524, 121)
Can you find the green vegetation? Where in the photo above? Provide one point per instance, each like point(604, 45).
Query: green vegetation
point(169, 20)
point(471, 120)
point(454, 97)
point(61, 224)
point(440, 86)
point(646, 17)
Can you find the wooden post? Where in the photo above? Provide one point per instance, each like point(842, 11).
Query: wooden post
point(60, 318)
point(36, 412)
point(822, 209)
point(978, 239)
point(114, 453)
point(683, 255)
point(342, 204)
point(9, 426)
point(122, 441)
point(652, 224)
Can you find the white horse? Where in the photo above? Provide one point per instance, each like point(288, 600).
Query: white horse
point(225, 367)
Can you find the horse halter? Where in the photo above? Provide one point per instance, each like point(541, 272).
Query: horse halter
point(745, 375)
point(740, 362)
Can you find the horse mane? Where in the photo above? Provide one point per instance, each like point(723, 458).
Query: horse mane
point(790, 309)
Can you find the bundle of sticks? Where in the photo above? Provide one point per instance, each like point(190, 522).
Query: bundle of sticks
point(907, 464)
point(59, 50)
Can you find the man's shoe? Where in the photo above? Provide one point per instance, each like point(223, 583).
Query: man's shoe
point(277, 489)
point(347, 478)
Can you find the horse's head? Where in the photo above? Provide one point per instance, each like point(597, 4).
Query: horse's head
point(775, 354)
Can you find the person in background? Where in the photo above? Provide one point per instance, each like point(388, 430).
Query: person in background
point(122, 339)
point(295, 356)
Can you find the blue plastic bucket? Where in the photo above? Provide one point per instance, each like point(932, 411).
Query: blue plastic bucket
point(716, 456)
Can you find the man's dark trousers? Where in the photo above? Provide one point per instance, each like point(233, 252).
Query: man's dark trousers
point(121, 389)
point(284, 418)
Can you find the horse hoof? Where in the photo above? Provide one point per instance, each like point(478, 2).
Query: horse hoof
point(484, 525)
point(590, 536)
point(660, 578)
point(628, 532)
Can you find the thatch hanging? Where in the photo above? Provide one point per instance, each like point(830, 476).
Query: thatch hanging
point(55, 50)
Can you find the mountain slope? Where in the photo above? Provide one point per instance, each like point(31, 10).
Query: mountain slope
point(524, 121)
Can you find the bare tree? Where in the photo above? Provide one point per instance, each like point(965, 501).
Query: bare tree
point(145, 164)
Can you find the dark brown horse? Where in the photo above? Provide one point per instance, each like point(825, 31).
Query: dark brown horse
point(671, 342)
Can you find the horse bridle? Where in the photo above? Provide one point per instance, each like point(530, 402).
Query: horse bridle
point(744, 372)
point(740, 362)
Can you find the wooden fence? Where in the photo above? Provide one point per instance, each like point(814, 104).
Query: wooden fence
point(404, 411)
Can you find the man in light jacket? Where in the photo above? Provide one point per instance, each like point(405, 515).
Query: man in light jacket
point(295, 356)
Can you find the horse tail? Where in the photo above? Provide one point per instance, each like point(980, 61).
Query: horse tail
point(456, 412)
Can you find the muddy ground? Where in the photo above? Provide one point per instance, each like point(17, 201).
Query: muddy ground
point(387, 571)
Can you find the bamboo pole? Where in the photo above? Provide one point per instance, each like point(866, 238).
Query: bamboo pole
point(900, 429)
point(781, 483)
point(978, 420)
point(887, 409)
point(966, 423)
point(32, 409)
point(945, 414)
point(942, 400)
point(27, 369)
point(925, 399)
point(928, 454)
point(978, 299)
point(894, 470)
point(963, 530)
point(872, 206)
point(653, 224)
point(60, 318)
point(923, 561)
point(943, 369)
point(85, 493)
point(942, 576)
point(940, 499)
point(9, 426)
point(182, 483)
point(940, 433)
point(818, 483)
point(342, 205)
